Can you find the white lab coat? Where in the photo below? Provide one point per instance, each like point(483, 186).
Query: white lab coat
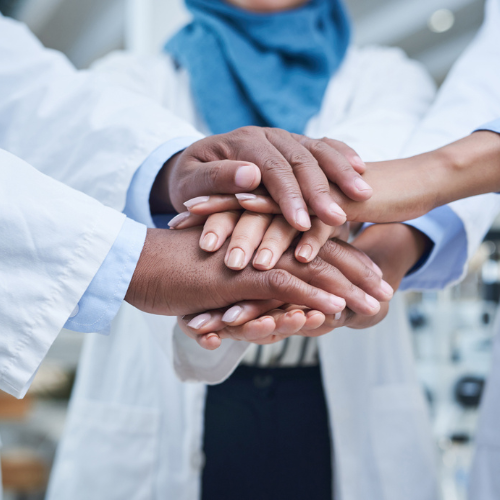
point(135, 431)
point(79, 129)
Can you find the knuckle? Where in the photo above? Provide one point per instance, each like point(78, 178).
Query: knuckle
point(334, 250)
point(280, 280)
point(272, 164)
point(213, 175)
point(318, 266)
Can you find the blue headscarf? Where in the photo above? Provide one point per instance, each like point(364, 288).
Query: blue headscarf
point(260, 69)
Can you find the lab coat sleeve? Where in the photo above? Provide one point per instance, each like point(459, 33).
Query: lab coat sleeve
point(494, 126)
point(77, 126)
point(469, 97)
point(54, 240)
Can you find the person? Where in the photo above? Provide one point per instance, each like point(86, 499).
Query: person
point(126, 396)
point(118, 135)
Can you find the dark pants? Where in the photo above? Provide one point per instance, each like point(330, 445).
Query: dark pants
point(267, 437)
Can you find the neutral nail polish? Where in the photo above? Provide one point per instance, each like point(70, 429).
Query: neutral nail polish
point(373, 303)
point(264, 258)
point(386, 288)
point(302, 219)
point(338, 316)
point(305, 251)
point(232, 314)
point(356, 160)
point(361, 185)
point(245, 176)
point(209, 242)
point(338, 301)
point(236, 258)
point(196, 201)
point(178, 219)
point(199, 321)
point(245, 196)
point(335, 209)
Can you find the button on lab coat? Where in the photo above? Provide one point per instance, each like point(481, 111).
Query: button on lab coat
point(135, 431)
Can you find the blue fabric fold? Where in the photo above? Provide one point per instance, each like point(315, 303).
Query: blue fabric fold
point(260, 69)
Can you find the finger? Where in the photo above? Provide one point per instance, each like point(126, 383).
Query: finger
point(275, 242)
point(311, 241)
point(351, 263)
point(185, 220)
point(248, 310)
point(216, 230)
point(352, 157)
point(313, 182)
point(256, 330)
point(288, 323)
point(246, 237)
point(220, 177)
point(256, 203)
point(338, 170)
point(206, 205)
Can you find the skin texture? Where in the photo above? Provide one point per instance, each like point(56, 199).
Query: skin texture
point(174, 277)
point(394, 260)
point(267, 5)
point(295, 171)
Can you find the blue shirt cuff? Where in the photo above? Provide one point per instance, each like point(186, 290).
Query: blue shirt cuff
point(137, 202)
point(447, 259)
point(102, 299)
point(494, 126)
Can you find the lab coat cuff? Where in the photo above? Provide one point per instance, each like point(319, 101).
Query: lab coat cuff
point(102, 299)
point(137, 202)
point(448, 257)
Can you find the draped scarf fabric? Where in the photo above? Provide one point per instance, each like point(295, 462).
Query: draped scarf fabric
point(260, 69)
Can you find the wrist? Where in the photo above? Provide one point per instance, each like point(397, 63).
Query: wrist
point(160, 199)
point(395, 248)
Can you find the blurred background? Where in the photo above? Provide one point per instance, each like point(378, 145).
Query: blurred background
point(452, 330)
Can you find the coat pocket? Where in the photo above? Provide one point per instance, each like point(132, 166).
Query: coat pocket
point(109, 452)
point(405, 455)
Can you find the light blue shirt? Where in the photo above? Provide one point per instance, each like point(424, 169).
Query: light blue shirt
point(448, 255)
point(102, 299)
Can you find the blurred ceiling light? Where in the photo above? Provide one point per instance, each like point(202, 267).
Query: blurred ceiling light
point(441, 20)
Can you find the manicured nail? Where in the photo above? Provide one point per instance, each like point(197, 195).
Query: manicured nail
point(263, 258)
point(373, 303)
point(386, 288)
point(232, 314)
point(361, 185)
point(338, 301)
point(245, 176)
point(196, 201)
point(236, 258)
point(338, 316)
point(302, 219)
point(334, 208)
point(209, 242)
point(245, 196)
point(358, 162)
point(305, 251)
point(178, 219)
point(199, 321)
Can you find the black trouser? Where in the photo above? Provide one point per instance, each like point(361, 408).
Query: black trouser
point(267, 437)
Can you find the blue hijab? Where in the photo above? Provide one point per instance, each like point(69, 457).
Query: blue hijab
point(260, 69)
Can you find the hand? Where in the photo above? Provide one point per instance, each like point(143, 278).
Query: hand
point(294, 169)
point(360, 283)
point(395, 248)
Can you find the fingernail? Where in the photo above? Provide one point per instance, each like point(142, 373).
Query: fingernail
point(196, 201)
point(335, 209)
point(236, 258)
point(209, 242)
point(245, 196)
point(338, 316)
point(305, 251)
point(264, 258)
point(232, 314)
point(373, 303)
point(338, 301)
point(386, 288)
point(302, 219)
point(199, 321)
point(178, 219)
point(245, 176)
point(377, 269)
point(361, 185)
point(358, 162)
